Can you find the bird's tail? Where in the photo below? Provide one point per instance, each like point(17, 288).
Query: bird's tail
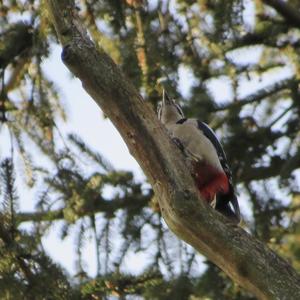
point(229, 207)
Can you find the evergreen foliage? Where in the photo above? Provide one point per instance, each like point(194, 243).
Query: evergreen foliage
point(250, 48)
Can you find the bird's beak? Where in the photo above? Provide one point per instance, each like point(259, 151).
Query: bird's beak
point(166, 99)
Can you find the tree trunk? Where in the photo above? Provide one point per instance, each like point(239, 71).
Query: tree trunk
point(246, 260)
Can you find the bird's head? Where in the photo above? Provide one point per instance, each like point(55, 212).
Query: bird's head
point(169, 112)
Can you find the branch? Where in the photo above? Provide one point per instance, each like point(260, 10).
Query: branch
point(246, 70)
point(278, 166)
point(246, 260)
point(259, 95)
point(99, 206)
point(291, 14)
point(14, 41)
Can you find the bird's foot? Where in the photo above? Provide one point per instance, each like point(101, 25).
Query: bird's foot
point(178, 144)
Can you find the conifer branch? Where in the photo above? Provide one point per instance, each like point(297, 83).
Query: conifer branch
point(141, 49)
point(18, 38)
point(260, 95)
point(278, 165)
point(291, 14)
point(100, 206)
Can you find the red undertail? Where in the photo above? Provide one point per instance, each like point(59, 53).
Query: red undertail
point(210, 181)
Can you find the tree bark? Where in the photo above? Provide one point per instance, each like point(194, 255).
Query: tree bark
point(245, 259)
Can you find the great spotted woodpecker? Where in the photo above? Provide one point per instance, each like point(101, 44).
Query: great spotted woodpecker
point(200, 145)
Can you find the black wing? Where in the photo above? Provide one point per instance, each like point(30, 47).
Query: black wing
point(222, 200)
point(209, 133)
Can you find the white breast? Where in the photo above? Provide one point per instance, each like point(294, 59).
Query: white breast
point(195, 143)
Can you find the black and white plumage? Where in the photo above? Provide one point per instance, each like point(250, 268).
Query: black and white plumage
point(208, 160)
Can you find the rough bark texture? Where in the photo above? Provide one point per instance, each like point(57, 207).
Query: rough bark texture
point(246, 260)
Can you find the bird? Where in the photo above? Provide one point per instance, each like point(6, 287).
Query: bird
point(208, 162)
